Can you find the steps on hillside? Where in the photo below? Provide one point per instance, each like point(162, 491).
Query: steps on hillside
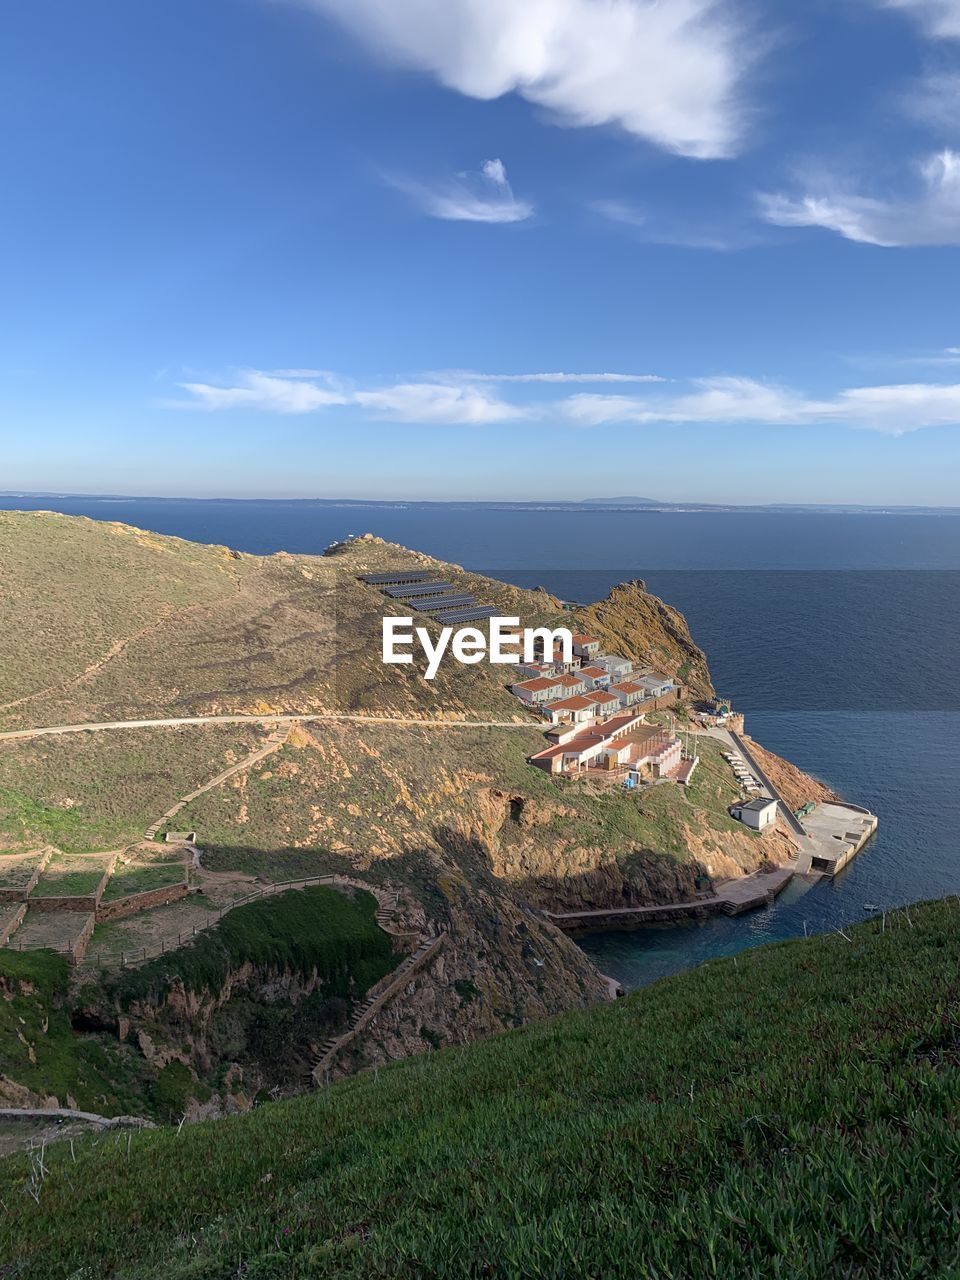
point(370, 1007)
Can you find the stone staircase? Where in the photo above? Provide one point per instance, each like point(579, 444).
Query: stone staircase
point(274, 742)
point(367, 1011)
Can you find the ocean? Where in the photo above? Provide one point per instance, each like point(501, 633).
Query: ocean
point(835, 634)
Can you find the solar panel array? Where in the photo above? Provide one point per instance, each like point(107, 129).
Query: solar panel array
point(448, 604)
point(396, 578)
point(470, 614)
point(419, 589)
point(435, 603)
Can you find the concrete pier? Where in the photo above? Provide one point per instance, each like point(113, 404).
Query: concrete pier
point(834, 834)
point(732, 898)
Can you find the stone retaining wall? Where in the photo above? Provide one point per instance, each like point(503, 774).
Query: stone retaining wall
point(87, 902)
point(142, 901)
point(78, 947)
point(20, 893)
point(13, 924)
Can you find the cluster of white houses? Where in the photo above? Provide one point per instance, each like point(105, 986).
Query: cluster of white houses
point(594, 704)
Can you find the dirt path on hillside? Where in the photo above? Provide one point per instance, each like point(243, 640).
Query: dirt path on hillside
point(13, 735)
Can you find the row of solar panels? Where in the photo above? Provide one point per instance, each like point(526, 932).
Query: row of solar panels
point(421, 589)
point(395, 579)
point(423, 593)
point(473, 613)
point(436, 603)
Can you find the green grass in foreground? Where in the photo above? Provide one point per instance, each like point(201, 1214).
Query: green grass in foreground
point(792, 1113)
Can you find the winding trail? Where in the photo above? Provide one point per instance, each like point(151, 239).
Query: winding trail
point(52, 731)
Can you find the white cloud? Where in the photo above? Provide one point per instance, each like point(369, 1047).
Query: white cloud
point(264, 391)
point(671, 73)
point(891, 409)
point(468, 375)
point(928, 216)
point(940, 18)
point(438, 404)
point(628, 215)
point(469, 197)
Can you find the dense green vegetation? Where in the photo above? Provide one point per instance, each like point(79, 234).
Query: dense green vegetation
point(297, 931)
point(39, 1048)
point(790, 1113)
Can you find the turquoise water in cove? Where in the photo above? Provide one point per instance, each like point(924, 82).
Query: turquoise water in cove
point(835, 634)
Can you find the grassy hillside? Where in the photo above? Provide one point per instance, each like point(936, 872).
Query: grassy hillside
point(790, 1113)
point(121, 624)
point(106, 622)
point(364, 796)
point(100, 791)
point(100, 621)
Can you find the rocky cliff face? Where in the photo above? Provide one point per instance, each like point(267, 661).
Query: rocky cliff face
point(637, 624)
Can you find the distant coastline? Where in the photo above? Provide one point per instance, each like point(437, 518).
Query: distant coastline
point(639, 506)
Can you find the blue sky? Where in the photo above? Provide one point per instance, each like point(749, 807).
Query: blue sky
point(348, 247)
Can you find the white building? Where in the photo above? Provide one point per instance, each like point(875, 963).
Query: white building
point(618, 667)
point(655, 684)
point(758, 814)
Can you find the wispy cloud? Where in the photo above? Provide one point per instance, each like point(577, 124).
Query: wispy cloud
point(448, 400)
point(435, 403)
point(484, 196)
point(929, 215)
point(895, 409)
point(428, 402)
point(940, 18)
point(263, 391)
point(628, 215)
point(671, 73)
point(934, 100)
point(468, 375)
point(676, 233)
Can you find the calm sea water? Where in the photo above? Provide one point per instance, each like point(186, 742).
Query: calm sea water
point(835, 634)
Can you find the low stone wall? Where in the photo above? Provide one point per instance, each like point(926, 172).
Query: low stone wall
point(13, 924)
point(21, 893)
point(87, 903)
point(143, 901)
point(78, 947)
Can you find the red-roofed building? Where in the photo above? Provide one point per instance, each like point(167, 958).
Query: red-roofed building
point(629, 693)
point(576, 710)
point(585, 646)
point(586, 748)
point(540, 690)
point(606, 703)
